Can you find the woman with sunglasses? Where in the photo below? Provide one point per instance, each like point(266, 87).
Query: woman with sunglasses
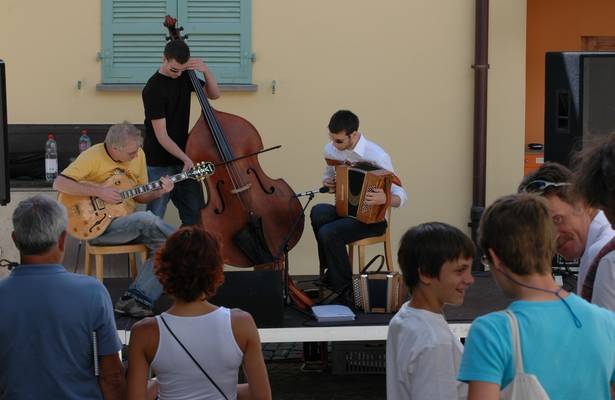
point(196, 348)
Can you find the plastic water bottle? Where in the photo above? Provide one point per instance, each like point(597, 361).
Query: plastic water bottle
point(84, 141)
point(51, 158)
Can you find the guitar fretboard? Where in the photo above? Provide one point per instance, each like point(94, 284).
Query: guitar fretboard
point(151, 186)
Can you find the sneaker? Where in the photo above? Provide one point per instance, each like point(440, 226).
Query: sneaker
point(129, 306)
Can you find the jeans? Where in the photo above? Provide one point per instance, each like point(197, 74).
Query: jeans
point(187, 195)
point(333, 233)
point(139, 227)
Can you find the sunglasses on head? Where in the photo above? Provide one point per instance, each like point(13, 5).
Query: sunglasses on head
point(540, 185)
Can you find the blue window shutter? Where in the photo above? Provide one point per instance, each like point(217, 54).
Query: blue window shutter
point(219, 32)
point(133, 38)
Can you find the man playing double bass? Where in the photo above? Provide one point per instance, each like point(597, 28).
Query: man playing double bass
point(166, 101)
point(333, 232)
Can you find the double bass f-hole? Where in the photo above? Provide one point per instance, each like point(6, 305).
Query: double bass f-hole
point(260, 183)
point(219, 185)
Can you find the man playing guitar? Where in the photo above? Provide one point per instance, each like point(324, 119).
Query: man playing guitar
point(84, 177)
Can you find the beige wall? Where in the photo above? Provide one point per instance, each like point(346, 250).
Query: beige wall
point(404, 68)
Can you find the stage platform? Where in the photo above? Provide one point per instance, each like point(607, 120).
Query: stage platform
point(297, 326)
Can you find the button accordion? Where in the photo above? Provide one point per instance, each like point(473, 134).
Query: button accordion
point(352, 183)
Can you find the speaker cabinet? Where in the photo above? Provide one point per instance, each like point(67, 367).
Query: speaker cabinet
point(256, 292)
point(5, 185)
point(579, 101)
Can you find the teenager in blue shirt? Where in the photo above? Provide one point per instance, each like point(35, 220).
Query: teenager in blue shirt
point(566, 342)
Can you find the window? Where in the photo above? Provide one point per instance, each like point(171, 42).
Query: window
point(133, 37)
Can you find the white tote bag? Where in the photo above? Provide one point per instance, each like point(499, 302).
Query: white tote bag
point(523, 386)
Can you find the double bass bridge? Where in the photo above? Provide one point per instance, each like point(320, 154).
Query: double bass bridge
point(241, 189)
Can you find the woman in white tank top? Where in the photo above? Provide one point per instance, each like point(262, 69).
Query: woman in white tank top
point(220, 340)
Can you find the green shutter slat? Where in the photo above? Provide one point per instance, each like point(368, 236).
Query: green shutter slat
point(133, 37)
point(214, 11)
point(219, 32)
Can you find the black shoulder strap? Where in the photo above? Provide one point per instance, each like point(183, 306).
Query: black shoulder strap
point(369, 264)
point(192, 358)
point(587, 289)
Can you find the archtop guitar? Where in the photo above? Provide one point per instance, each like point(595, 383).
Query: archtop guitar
point(89, 216)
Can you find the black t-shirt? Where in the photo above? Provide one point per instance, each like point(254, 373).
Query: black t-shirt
point(168, 98)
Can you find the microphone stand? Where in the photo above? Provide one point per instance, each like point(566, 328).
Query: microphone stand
point(284, 246)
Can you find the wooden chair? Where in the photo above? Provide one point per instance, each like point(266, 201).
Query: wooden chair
point(100, 251)
point(385, 239)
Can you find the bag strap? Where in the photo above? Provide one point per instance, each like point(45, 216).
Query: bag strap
point(192, 358)
point(587, 290)
point(369, 264)
point(516, 342)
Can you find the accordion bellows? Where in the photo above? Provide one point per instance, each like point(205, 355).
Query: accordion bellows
point(352, 183)
point(379, 292)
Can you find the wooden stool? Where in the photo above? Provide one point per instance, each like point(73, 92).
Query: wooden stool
point(100, 251)
point(385, 239)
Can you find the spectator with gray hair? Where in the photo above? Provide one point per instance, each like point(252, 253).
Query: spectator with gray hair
point(58, 338)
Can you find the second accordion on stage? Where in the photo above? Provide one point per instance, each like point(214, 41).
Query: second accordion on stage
point(352, 183)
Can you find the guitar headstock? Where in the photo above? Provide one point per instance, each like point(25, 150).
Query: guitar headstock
point(201, 170)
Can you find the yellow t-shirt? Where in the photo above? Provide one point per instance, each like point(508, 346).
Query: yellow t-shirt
point(96, 165)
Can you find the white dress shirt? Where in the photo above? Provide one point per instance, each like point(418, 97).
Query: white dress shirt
point(600, 232)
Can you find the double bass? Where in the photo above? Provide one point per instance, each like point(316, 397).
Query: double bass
point(258, 219)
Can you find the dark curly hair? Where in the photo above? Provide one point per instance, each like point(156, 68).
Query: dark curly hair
point(344, 121)
point(177, 50)
point(189, 265)
point(595, 172)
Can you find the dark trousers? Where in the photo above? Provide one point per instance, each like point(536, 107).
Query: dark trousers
point(332, 234)
point(187, 196)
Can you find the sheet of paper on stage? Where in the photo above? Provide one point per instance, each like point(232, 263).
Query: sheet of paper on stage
point(333, 313)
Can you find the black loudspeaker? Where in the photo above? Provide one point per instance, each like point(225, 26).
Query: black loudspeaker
point(5, 185)
point(579, 101)
point(257, 292)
